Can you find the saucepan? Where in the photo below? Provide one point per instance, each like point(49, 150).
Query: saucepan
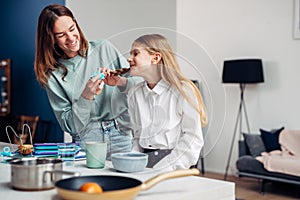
point(36, 173)
point(114, 187)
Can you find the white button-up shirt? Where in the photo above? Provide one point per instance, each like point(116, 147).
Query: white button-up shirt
point(163, 119)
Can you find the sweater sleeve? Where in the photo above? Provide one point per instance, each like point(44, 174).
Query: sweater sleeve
point(72, 117)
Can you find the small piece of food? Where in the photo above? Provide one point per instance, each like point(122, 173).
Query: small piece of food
point(91, 187)
point(119, 71)
point(25, 149)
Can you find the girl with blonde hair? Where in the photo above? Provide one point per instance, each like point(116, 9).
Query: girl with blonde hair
point(167, 109)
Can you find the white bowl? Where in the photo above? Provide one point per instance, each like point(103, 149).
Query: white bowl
point(129, 161)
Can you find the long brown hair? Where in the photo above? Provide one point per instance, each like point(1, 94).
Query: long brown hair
point(47, 52)
point(170, 70)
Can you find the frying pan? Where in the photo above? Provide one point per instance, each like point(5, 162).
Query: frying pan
point(114, 187)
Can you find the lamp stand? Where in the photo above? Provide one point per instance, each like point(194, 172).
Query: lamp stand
point(239, 118)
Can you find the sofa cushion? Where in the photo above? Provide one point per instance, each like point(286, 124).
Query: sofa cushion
point(271, 139)
point(249, 164)
point(254, 143)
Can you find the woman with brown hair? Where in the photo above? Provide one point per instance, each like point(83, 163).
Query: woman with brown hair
point(87, 108)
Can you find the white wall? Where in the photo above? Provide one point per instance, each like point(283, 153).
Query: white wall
point(251, 28)
point(204, 34)
point(123, 21)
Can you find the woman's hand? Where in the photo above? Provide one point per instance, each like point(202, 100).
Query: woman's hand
point(93, 87)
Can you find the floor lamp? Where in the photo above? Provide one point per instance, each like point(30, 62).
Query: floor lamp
point(242, 71)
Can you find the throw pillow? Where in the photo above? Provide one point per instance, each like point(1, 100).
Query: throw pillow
point(270, 139)
point(254, 143)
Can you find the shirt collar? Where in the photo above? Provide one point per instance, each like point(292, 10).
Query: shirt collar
point(159, 88)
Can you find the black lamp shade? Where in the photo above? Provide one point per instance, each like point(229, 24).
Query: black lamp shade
point(243, 71)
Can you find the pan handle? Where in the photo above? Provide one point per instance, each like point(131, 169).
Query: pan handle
point(174, 174)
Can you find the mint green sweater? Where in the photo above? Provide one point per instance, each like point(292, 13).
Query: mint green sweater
point(77, 115)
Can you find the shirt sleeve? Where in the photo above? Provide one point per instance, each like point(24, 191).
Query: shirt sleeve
point(187, 150)
point(132, 105)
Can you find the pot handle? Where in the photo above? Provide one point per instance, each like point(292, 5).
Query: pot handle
point(174, 174)
point(52, 173)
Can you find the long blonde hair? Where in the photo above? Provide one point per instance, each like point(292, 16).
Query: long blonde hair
point(170, 70)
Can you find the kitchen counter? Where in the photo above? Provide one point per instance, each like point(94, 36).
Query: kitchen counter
point(191, 187)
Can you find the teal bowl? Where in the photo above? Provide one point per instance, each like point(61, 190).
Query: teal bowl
point(129, 161)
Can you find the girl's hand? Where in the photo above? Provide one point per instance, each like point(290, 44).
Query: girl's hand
point(114, 80)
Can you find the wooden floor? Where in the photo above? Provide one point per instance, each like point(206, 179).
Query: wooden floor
point(249, 188)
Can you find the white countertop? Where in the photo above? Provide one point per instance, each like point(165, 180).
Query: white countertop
point(191, 187)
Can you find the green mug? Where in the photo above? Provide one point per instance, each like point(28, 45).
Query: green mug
point(95, 154)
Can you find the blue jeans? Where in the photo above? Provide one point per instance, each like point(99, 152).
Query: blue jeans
point(117, 141)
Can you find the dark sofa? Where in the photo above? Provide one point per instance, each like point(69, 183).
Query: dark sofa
point(248, 166)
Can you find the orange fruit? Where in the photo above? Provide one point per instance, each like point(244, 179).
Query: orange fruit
point(91, 187)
